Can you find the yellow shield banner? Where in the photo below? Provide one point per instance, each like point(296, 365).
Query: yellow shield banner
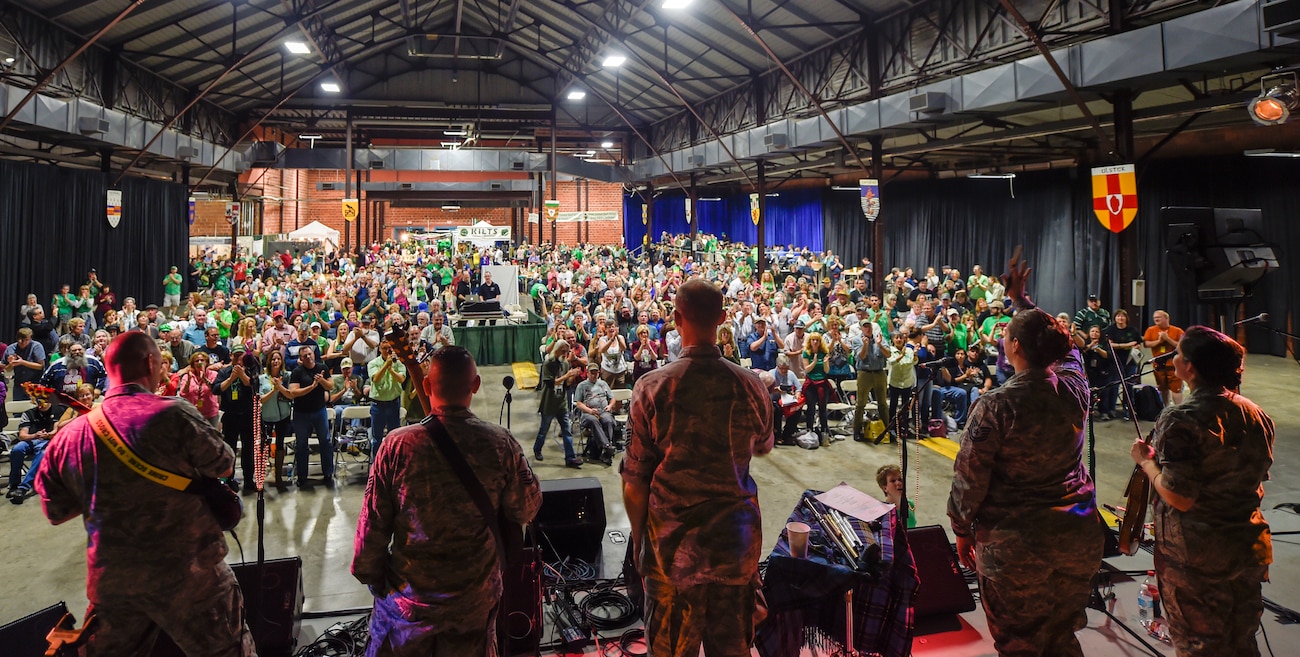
point(1114, 196)
point(688, 210)
point(551, 209)
point(645, 214)
point(753, 208)
point(351, 209)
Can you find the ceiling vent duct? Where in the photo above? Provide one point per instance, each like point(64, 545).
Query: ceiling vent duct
point(92, 125)
point(775, 141)
point(376, 164)
point(1280, 16)
point(327, 187)
point(187, 153)
point(454, 46)
point(517, 166)
point(930, 102)
point(695, 161)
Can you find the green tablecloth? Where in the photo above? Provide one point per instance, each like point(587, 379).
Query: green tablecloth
point(504, 343)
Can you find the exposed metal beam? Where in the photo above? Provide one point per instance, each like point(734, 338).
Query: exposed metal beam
point(167, 20)
point(1056, 68)
point(45, 80)
point(800, 86)
point(289, 25)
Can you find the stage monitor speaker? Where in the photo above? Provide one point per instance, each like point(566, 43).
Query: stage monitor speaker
point(25, 637)
point(942, 590)
point(571, 522)
point(521, 631)
point(272, 607)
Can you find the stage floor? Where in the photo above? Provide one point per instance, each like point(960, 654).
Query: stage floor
point(46, 564)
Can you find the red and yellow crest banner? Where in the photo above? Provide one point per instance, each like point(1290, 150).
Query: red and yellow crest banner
point(551, 210)
point(753, 208)
point(1114, 196)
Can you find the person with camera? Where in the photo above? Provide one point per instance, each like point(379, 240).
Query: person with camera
point(1022, 504)
point(234, 386)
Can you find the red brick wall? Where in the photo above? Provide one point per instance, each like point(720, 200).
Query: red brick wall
point(290, 199)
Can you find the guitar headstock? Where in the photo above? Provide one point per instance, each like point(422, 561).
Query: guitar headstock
point(398, 340)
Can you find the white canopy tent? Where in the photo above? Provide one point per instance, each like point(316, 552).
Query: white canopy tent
point(316, 232)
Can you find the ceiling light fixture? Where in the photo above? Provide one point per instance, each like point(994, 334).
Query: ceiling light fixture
point(310, 136)
point(606, 144)
point(614, 61)
point(456, 133)
point(297, 47)
point(1274, 105)
point(576, 95)
point(842, 188)
point(450, 144)
point(991, 176)
point(676, 4)
point(330, 87)
point(1269, 152)
point(9, 61)
point(451, 207)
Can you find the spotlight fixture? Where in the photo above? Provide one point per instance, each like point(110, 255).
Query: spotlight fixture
point(576, 94)
point(614, 61)
point(297, 47)
point(330, 87)
point(1274, 105)
point(9, 60)
point(676, 4)
point(606, 144)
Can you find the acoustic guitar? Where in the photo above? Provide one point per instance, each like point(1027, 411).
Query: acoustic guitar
point(1138, 497)
point(401, 344)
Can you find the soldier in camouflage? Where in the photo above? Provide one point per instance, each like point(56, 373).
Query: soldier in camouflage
point(693, 506)
point(1022, 504)
point(421, 545)
point(156, 557)
point(1207, 462)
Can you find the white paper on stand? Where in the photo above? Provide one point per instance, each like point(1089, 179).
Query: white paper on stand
point(847, 499)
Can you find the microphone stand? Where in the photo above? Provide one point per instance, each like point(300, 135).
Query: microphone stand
point(1286, 344)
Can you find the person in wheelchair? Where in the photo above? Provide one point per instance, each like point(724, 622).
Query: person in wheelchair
point(594, 402)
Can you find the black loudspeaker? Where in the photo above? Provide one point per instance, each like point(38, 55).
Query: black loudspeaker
point(25, 637)
point(942, 590)
point(571, 522)
point(519, 630)
point(272, 607)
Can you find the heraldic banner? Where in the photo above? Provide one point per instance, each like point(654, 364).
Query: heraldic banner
point(551, 210)
point(870, 198)
point(351, 209)
point(753, 208)
point(1114, 196)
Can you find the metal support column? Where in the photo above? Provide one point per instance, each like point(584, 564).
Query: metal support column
point(1122, 100)
point(877, 228)
point(649, 213)
point(239, 218)
point(554, 224)
point(760, 263)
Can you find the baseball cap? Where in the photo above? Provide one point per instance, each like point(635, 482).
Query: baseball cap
point(760, 320)
point(152, 306)
point(800, 325)
point(346, 364)
point(315, 325)
point(278, 313)
point(954, 311)
point(238, 348)
point(1092, 297)
point(945, 297)
point(997, 304)
point(165, 328)
point(593, 367)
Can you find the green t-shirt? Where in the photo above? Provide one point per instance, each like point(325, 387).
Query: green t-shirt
point(172, 284)
point(991, 321)
point(975, 286)
point(226, 320)
point(387, 387)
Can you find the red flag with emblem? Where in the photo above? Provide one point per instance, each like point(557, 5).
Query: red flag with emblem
point(1114, 196)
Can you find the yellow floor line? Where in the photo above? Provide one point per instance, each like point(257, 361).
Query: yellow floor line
point(525, 375)
point(941, 445)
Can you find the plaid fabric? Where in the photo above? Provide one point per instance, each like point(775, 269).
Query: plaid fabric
point(805, 597)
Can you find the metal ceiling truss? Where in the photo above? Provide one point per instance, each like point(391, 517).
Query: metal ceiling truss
point(103, 76)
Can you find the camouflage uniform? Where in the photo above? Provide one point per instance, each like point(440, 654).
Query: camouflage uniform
point(696, 423)
point(1216, 449)
point(437, 587)
point(156, 557)
point(1021, 490)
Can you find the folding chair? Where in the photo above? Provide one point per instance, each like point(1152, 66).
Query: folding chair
point(624, 396)
point(844, 406)
point(351, 443)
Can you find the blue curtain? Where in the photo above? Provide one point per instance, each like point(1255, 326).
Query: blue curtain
point(793, 217)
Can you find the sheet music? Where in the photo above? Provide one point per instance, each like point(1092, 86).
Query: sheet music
point(854, 502)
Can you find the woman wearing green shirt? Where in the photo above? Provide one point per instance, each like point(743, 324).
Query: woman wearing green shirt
point(816, 387)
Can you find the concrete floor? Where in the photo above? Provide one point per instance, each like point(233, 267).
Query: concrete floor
point(46, 564)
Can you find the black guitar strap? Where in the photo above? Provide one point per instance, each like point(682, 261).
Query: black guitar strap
point(442, 440)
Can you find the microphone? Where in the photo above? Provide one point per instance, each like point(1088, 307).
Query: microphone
point(1262, 317)
point(1160, 360)
point(508, 382)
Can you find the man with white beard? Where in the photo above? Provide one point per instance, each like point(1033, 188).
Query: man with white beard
point(74, 368)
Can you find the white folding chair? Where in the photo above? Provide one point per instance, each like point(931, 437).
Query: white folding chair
point(351, 444)
point(844, 408)
point(624, 396)
point(15, 408)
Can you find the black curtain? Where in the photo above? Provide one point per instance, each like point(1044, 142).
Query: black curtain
point(845, 231)
point(963, 222)
point(55, 230)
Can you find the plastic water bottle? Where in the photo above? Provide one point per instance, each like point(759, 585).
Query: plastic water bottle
point(1148, 599)
point(288, 471)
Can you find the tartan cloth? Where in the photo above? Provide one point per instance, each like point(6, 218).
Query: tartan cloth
point(805, 597)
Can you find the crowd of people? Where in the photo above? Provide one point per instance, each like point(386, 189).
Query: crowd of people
point(302, 337)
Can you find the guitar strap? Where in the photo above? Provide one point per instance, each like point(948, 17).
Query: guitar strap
point(109, 435)
point(438, 433)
